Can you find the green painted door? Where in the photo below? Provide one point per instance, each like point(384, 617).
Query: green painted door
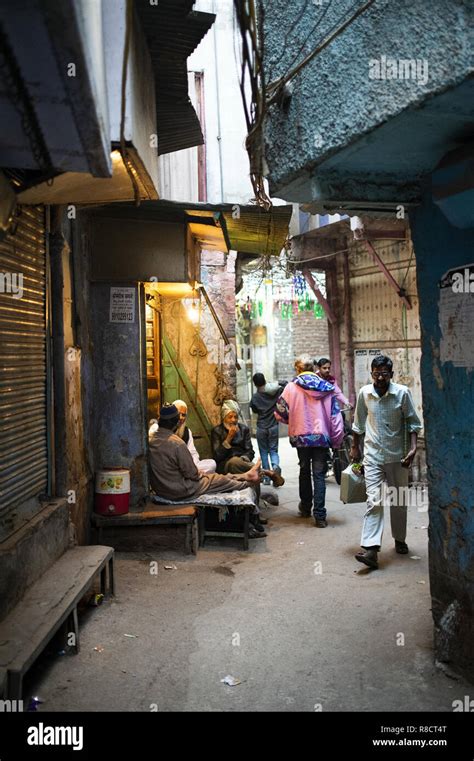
point(177, 385)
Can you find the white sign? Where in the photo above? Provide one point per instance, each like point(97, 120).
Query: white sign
point(122, 305)
point(362, 361)
point(456, 316)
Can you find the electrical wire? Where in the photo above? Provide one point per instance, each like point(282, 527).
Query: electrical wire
point(302, 46)
point(294, 24)
point(274, 88)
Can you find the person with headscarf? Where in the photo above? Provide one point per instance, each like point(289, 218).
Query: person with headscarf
point(174, 476)
point(205, 466)
point(232, 444)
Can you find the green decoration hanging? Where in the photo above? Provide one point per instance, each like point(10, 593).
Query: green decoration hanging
point(318, 311)
point(260, 308)
point(308, 304)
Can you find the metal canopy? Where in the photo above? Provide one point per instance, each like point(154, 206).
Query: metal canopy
point(173, 31)
point(247, 229)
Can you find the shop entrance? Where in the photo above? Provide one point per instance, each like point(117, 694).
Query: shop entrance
point(177, 359)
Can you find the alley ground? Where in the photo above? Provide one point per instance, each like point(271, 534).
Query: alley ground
point(298, 639)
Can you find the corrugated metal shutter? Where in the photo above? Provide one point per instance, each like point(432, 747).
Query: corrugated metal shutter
point(23, 363)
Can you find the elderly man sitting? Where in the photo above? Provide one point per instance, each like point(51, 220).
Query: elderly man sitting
point(184, 433)
point(232, 444)
point(174, 475)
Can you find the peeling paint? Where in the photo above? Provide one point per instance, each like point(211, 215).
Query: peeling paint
point(436, 368)
point(448, 401)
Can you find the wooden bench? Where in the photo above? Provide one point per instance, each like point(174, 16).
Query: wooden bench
point(155, 516)
point(236, 524)
point(221, 514)
point(47, 605)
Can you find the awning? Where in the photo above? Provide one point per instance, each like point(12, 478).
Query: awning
point(248, 229)
point(173, 31)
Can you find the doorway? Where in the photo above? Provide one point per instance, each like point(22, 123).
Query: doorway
point(177, 358)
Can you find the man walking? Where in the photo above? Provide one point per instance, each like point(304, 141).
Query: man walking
point(309, 407)
point(263, 403)
point(386, 414)
point(323, 369)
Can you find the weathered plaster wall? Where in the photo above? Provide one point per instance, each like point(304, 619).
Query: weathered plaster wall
point(119, 436)
point(218, 277)
point(448, 404)
point(31, 551)
point(79, 474)
point(333, 102)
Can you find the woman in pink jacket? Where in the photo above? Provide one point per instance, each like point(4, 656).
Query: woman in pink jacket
point(309, 407)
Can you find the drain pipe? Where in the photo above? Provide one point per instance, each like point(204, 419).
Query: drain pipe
point(218, 99)
point(348, 328)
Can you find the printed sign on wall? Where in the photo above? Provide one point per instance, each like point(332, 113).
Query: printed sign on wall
point(456, 316)
point(362, 361)
point(122, 304)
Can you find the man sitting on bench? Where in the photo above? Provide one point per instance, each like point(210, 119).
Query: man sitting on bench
point(174, 475)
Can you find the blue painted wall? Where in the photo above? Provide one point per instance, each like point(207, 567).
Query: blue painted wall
point(448, 407)
point(341, 130)
point(119, 437)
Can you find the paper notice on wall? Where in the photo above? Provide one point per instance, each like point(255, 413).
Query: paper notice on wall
point(362, 361)
point(122, 305)
point(456, 316)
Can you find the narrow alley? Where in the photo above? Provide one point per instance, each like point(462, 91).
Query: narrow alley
point(295, 619)
point(236, 369)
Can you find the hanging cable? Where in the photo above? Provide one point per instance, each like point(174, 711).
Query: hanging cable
point(251, 70)
point(274, 88)
point(123, 148)
point(308, 36)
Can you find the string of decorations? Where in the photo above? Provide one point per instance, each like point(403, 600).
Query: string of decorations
point(289, 300)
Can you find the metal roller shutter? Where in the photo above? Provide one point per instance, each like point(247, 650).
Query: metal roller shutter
point(23, 363)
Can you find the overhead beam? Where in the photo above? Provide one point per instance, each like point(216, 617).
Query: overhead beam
point(319, 296)
point(391, 280)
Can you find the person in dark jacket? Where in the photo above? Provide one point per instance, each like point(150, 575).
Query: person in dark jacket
point(232, 444)
point(263, 403)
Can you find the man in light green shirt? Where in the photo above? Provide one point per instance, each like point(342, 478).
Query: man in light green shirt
point(386, 415)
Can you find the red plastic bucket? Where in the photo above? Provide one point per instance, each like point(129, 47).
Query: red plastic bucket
point(112, 491)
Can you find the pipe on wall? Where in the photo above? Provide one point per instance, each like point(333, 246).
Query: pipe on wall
point(334, 340)
point(57, 243)
point(348, 331)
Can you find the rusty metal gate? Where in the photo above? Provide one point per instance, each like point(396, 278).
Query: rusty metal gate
point(23, 361)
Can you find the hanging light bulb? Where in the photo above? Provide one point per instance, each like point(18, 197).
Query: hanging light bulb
point(192, 309)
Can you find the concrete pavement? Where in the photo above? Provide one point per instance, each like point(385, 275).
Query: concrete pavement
point(296, 619)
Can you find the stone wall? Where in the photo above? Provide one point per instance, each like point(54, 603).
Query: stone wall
point(218, 277)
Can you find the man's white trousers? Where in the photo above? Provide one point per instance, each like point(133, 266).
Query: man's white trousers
point(386, 484)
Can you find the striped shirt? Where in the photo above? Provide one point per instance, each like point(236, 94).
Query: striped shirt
point(386, 421)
